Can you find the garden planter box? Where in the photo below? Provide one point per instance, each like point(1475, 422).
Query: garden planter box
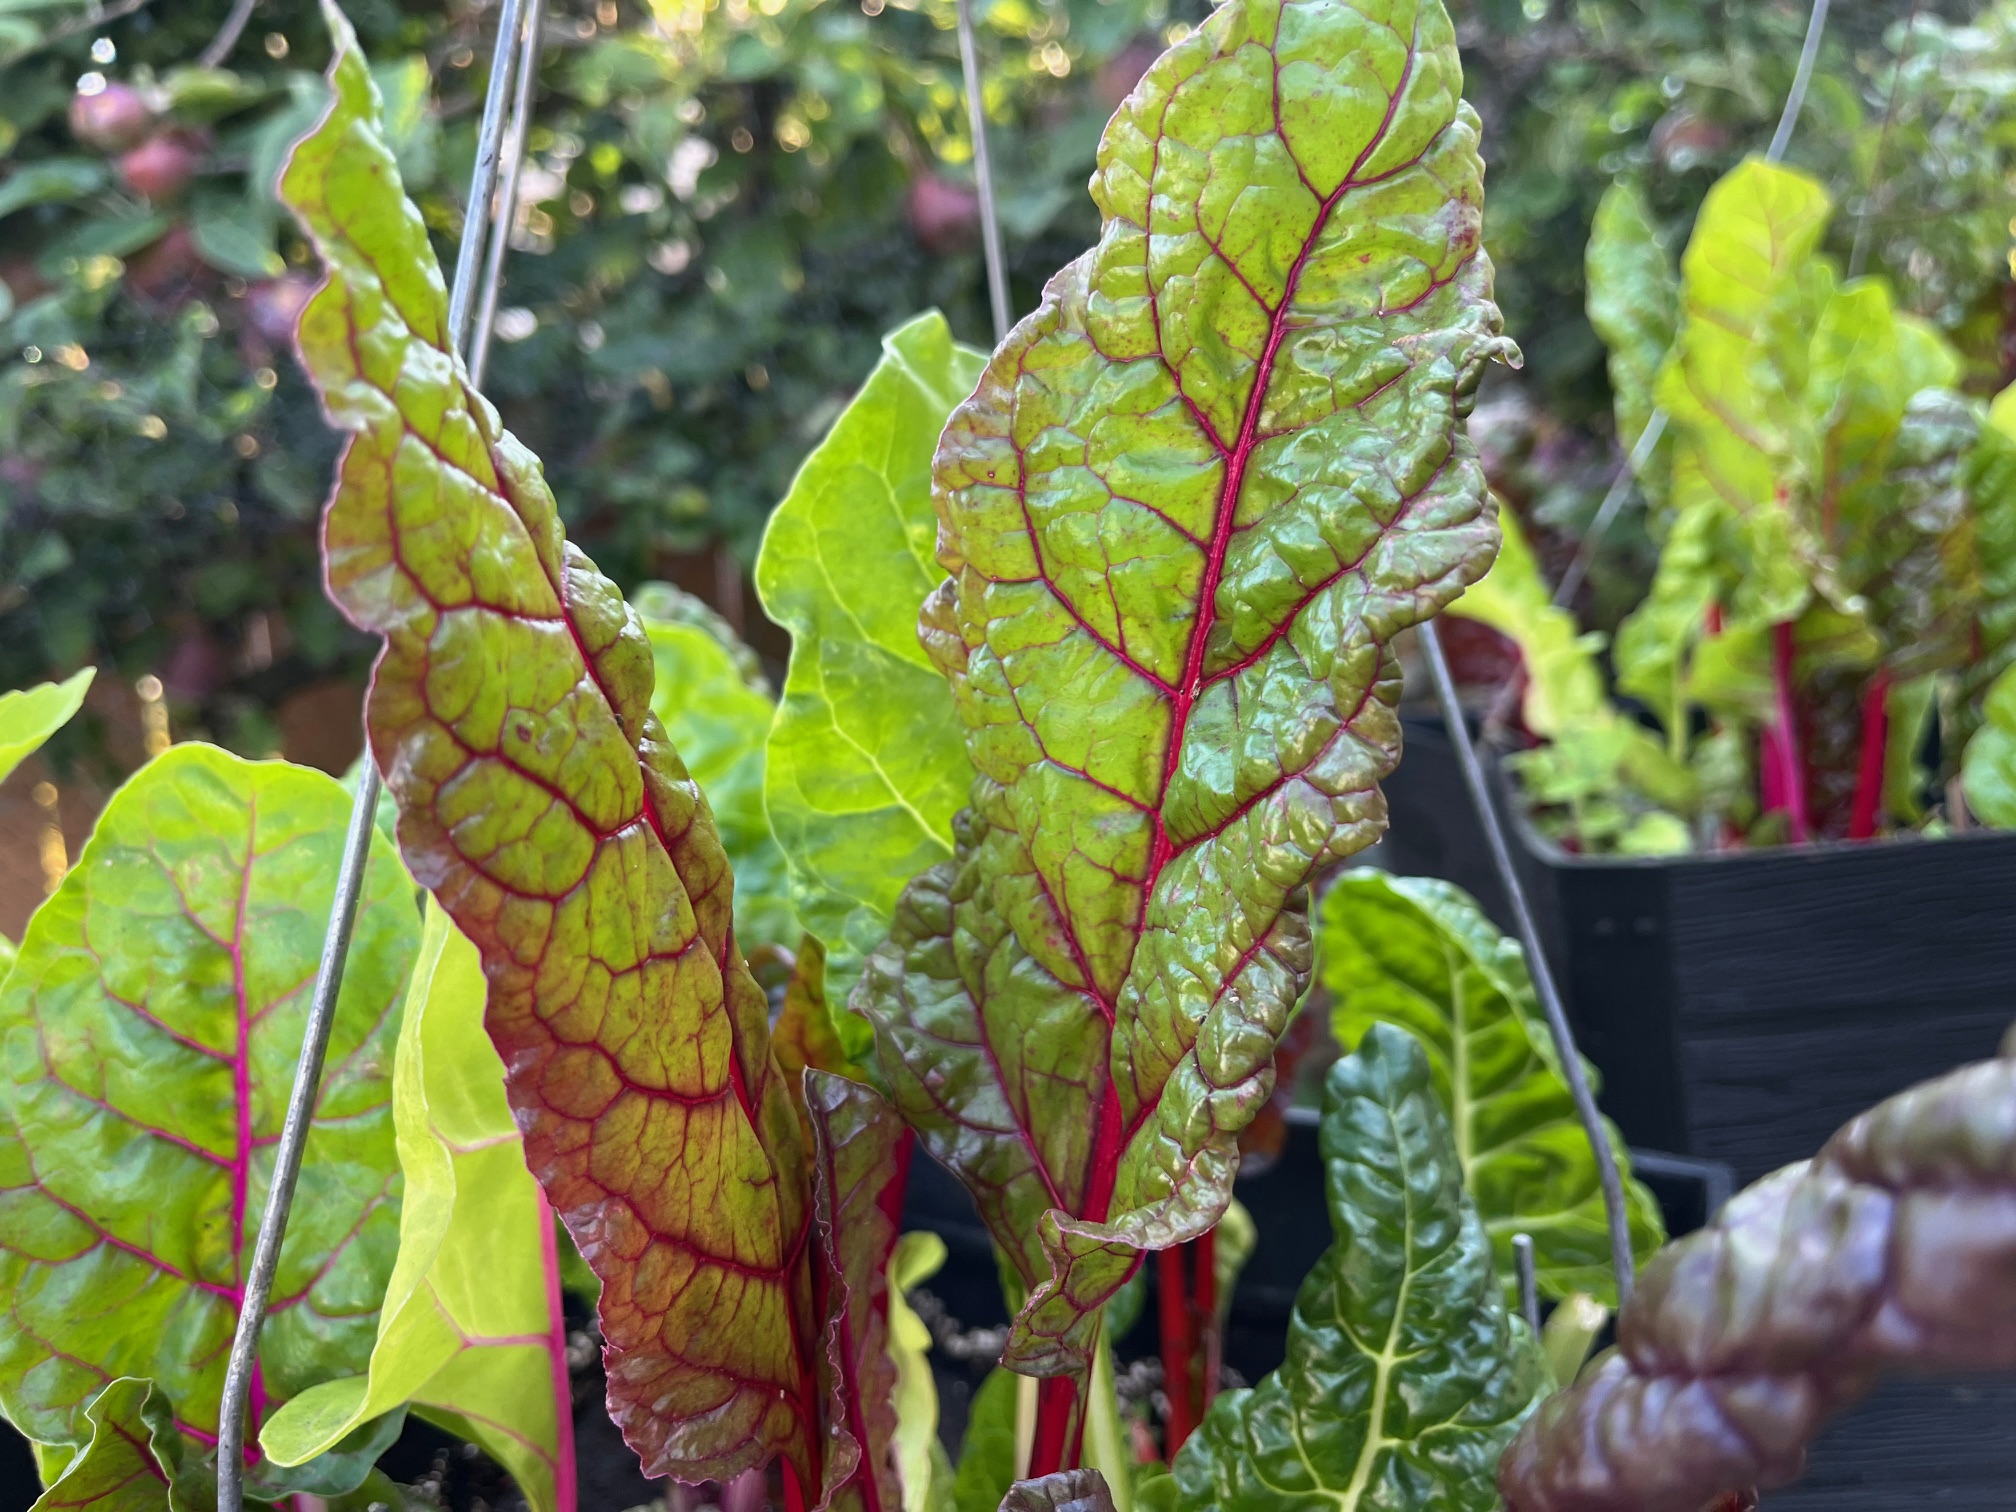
point(1742, 1008)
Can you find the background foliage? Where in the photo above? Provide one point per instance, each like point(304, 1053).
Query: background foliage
point(729, 202)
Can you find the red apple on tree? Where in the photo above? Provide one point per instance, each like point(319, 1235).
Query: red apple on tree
point(112, 120)
point(162, 166)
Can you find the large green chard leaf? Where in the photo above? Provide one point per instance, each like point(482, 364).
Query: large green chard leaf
point(1406, 1375)
point(1420, 953)
point(716, 708)
point(1621, 788)
point(470, 1331)
point(1732, 386)
point(1634, 304)
point(542, 805)
point(152, 1025)
point(130, 1462)
point(1190, 503)
point(29, 717)
point(866, 763)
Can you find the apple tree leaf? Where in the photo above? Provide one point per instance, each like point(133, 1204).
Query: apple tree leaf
point(470, 1332)
point(542, 805)
point(716, 709)
point(1192, 500)
point(1406, 1374)
point(866, 761)
point(32, 715)
point(152, 1024)
point(1419, 953)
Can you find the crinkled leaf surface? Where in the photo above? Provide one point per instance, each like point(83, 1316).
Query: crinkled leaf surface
point(866, 762)
point(152, 1024)
point(31, 716)
point(470, 1332)
point(1634, 304)
point(717, 715)
point(128, 1464)
point(1419, 953)
point(1191, 501)
point(541, 803)
point(1891, 1250)
point(1065, 1491)
point(855, 1135)
point(1406, 1376)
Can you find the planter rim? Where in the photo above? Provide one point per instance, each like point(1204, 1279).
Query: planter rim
point(1505, 793)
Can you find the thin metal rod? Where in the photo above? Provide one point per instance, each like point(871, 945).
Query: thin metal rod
point(1528, 931)
point(287, 1157)
point(293, 1140)
point(1859, 253)
point(1529, 1280)
point(1795, 102)
point(1612, 505)
point(507, 194)
point(983, 174)
point(483, 177)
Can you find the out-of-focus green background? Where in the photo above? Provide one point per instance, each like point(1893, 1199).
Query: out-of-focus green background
point(727, 202)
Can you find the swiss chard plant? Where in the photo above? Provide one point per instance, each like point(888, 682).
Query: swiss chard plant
point(1832, 575)
point(1092, 685)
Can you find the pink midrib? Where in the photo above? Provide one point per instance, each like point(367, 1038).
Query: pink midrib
point(241, 1091)
point(1109, 1137)
point(566, 1492)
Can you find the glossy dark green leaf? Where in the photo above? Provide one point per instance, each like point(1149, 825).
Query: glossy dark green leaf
point(1419, 953)
point(151, 1025)
point(1406, 1375)
point(1190, 503)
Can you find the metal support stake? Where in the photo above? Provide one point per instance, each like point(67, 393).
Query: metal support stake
point(1529, 1280)
point(1536, 961)
point(983, 174)
point(238, 1374)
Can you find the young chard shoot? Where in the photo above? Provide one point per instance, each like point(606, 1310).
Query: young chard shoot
point(541, 804)
point(1192, 500)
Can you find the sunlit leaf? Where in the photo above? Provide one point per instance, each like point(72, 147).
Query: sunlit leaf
point(31, 716)
point(541, 803)
point(1190, 503)
point(866, 763)
point(153, 1022)
point(469, 1332)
